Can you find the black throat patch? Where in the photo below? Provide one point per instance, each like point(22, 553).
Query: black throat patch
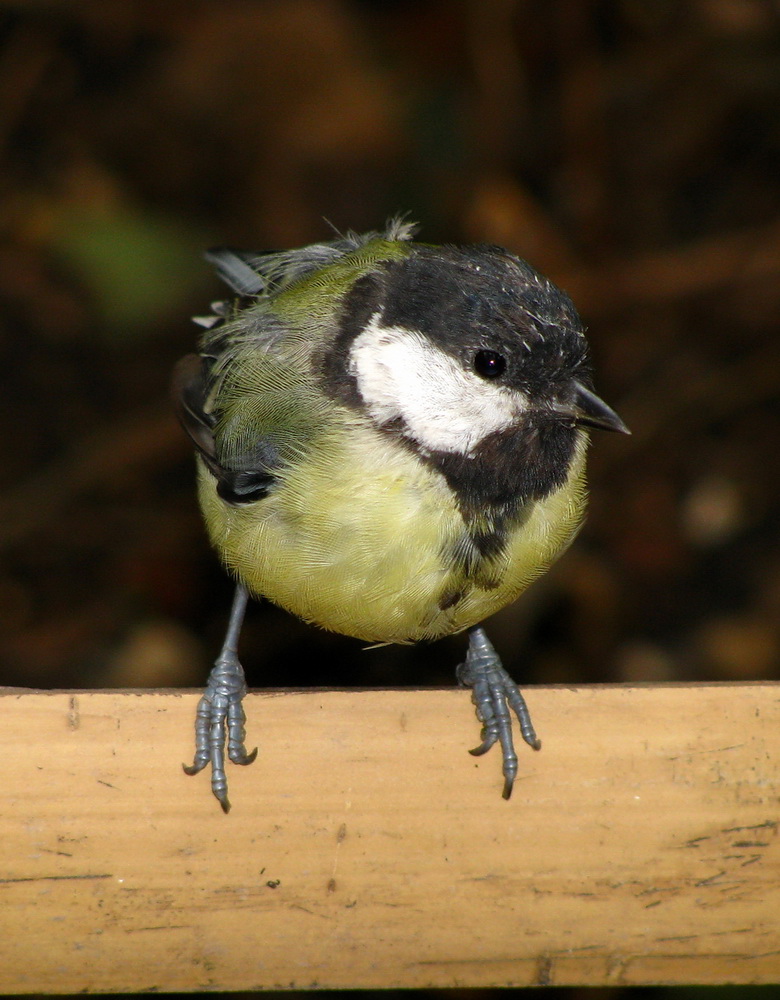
point(497, 488)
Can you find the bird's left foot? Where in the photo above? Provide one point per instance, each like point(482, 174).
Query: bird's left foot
point(494, 693)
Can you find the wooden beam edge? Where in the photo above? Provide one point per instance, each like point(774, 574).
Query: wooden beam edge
point(366, 848)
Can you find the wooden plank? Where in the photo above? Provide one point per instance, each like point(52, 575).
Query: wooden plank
point(367, 849)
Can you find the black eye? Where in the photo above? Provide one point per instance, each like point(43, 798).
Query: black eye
point(488, 364)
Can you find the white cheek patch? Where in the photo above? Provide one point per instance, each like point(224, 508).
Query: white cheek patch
point(444, 407)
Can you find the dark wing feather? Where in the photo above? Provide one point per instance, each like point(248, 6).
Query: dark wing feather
point(236, 486)
point(188, 391)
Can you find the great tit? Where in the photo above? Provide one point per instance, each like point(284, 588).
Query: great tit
point(391, 444)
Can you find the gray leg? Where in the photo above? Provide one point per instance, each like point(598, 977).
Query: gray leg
point(494, 693)
point(220, 709)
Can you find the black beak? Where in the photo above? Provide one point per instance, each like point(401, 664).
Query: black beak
point(588, 410)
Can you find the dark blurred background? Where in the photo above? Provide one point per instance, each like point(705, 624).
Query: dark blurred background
point(630, 150)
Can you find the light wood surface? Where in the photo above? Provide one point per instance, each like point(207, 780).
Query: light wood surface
point(366, 848)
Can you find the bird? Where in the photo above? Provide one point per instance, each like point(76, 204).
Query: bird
point(390, 438)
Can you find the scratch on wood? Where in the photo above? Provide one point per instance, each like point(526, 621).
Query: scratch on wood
point(705, 750)
point(544, 971)
point(341, 835)
point(616, 969)
point(74, 715)
point(696, 841)
point(768, 824)
point(51, 878)
point(712, 880)
point(158, 927)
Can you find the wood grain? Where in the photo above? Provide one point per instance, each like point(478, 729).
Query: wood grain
point(367, 849)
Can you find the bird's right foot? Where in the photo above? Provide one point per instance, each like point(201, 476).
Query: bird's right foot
point(220, 719)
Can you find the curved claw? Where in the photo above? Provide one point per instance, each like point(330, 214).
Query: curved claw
point(485, 745)
point(218, 780)
point(243, 759)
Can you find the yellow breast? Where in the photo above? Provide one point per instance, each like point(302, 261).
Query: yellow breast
point(355, 539)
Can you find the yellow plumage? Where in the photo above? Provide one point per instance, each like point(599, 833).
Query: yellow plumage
point(353, 538)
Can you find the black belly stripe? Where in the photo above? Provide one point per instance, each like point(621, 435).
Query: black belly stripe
point(450, 598)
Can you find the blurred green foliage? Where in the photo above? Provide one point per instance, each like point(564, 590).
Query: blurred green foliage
point(137, 269)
